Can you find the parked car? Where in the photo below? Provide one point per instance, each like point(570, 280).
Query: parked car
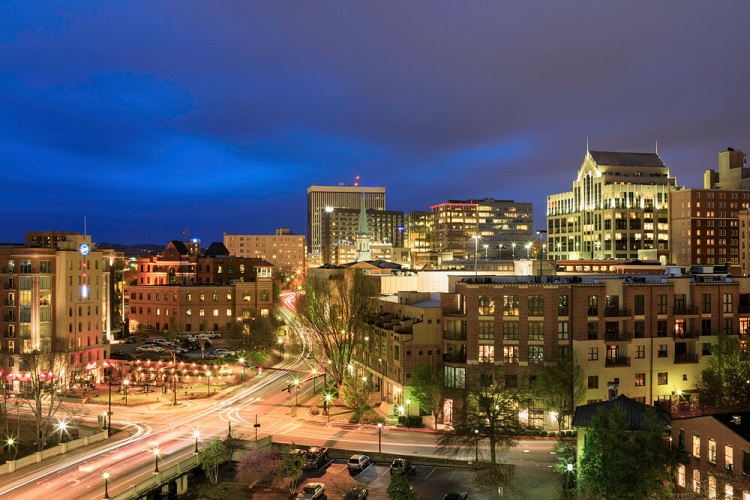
point(356, 493)
point(401, 466)
point(312, 491)
point(225, 352)
point(316, 458)
point(456, 496)
point(131, 340)
point(149, 348)
point(358, 463)
point(213, 335)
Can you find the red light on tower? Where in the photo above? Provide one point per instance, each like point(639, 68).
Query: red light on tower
point(356, 181)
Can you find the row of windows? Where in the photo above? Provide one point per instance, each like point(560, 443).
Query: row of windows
point(173, 312)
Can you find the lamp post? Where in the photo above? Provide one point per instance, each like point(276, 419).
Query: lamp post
point(125, 384)
point(528, 250)
point(476, 445)
point(106, 484)
point(296, 392)
point(281, 346)
point(109, 403)
point(380, 426)
point(485, 251)
point(500, 251)
point(476, 238)
point(156, 460)
point(208, 374)
point(242, 368)
point(513, 246)
point(567, 477)
point(408, 412)
point(328, 408)
point(174, 378)
point(196, 435)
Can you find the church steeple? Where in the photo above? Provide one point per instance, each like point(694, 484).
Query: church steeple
point(363, 238)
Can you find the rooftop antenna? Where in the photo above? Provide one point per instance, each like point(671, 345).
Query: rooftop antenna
point(84, 225)
point(587, 144)
point(657, 147)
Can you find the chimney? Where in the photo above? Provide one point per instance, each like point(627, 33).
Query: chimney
point(612, 388)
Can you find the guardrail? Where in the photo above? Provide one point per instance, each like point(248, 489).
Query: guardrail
point(61, 449)
point(159, 478)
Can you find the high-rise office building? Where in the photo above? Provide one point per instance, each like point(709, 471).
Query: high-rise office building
point(286, 251)
point(618, 206)
point(340, 226)
point(320, 198)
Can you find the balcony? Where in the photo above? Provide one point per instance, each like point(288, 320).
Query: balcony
point(687, 335)
point(685, 310)
point(454, 358)
point(613, 312)
point(617, 336)
point(454, 336)
point(685, 358)
point(618, 361)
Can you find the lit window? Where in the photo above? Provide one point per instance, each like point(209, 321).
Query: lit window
point(681, 476)
point(696, 446)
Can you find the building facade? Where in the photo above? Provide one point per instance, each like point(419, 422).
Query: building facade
point(320, 198)
point(341, 226)
point(189, 292)
point(55, 299)
point(733, 172)
point(618, 208)
point(286, 251)
point(648, 336)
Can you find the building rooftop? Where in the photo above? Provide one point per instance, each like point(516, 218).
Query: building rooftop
point(634, 412)
point(614, 159)
point(738, 422)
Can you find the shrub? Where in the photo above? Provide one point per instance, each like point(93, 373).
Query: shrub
point(410, 421)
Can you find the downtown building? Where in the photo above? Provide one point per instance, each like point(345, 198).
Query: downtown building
point(322, 198)
point(618, 208)
point(286, 251)
point(341, 226)
point(647, 337)
point(198, 292)
point(56, 297)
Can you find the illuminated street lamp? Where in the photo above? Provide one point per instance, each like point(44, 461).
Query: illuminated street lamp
point(327, 407)
point(296, 392)
point(380, 427)
point(106, 484)
point(196, 435)
point(476, 444)
point(208, 374)
point(476, 239)
point(528, 250)
point(155, 451)
point(242, 368)
point(513, 246)
point(408, 412)
point(125, 384)
point(485, 251)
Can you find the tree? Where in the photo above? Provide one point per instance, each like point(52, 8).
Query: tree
point(427, 388)
point(400, 489)
point(489, 412)
point(213, 455)
point(354, 393)
point(333, 311)
point(256, 466)
point(291, 467)
point(560, 387)
point(43, 382)
point(723, 383)
point(254, 335)
point(621, 463)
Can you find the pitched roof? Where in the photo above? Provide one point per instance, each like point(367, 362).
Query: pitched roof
point(634, 412)
point(217, 249)
point(180, 247)
point(615, 159)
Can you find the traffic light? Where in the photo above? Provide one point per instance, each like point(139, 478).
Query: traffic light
point(260, 371)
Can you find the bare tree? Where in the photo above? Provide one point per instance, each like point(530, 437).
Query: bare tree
point(560, 387)
point(489, 412)
point(333, 311)
point(355, 393)
point(44, 382)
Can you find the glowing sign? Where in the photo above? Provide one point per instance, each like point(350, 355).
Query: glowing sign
point(84, 249)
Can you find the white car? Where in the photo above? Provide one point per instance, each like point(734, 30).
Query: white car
point(312, 491)
point(224, 352)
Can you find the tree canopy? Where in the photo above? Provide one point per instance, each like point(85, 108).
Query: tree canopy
point(427, 388)
point(333, 311)
point(723, 383)
point(559, 387)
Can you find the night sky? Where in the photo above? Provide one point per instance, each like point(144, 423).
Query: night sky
point(147, 116)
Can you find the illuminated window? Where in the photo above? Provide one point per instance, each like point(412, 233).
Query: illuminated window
point(696, 446)
point(216, 312)
point(681, 475)
point(711, 451)
point(696, 481)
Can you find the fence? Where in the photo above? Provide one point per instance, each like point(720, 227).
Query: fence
point(61, 449)
point(159, 478)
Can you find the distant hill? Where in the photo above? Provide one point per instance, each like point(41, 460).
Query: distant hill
point(139, 250)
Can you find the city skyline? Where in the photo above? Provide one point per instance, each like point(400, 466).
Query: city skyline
point(149, 118)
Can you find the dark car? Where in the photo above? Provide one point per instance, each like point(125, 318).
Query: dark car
point(131, 340)
point(315, 458)
point(401, 466)
point(356, 493)
point(456, 496)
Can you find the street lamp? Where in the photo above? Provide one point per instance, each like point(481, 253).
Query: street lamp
point(125, 384)
point(155, 451)
point(567, 477)
point(476, 239)
point(315, 375)
point(476, 444)
point(109, 403)
point(500, 251)
point(208, 374)
point(106, 484)
point(485, 251)
point(408, 412)
point(196, 435)
point(242, 368)
point(380, 426)
point(528, 250)
point(281, 346)
point(296, 392)
point(328, 408)
point(513, 246)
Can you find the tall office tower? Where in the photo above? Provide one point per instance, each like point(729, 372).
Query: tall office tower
point(618, 207)
point(320, 198)
point(286, 251)
point(340, 227)
point(496, 222)
point(56, 298)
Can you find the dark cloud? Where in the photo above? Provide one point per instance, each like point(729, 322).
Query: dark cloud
point(147, 117)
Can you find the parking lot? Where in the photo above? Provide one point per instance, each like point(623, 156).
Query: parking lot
point(429, 481)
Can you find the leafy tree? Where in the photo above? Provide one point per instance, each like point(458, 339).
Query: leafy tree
point(253, 335)
point(256, 466)
point(354, 393)
point(333, 311)
point(427, 388)
point(621, 463)
point(213, 455)
point(489, 412)
point(560, 386)
point(291, 466)
point(493, 477)
point(723, 383)
point(400, 489)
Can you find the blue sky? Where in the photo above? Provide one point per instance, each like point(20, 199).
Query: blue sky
point(148, 116)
